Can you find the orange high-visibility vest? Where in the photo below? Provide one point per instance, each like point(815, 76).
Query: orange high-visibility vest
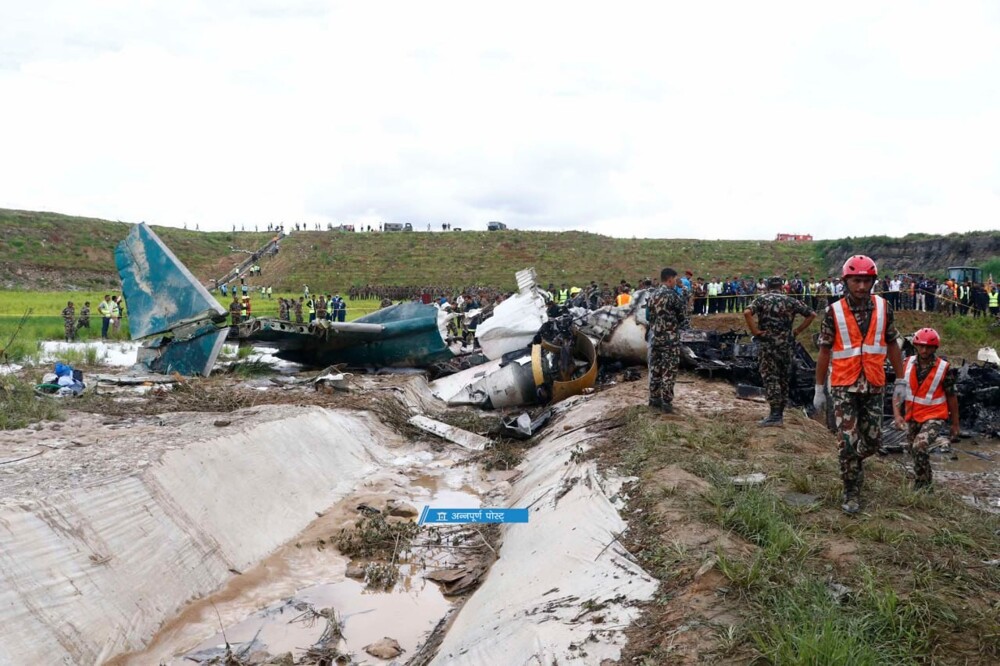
point(851, 354)
point(927, 400)
point(623, 300)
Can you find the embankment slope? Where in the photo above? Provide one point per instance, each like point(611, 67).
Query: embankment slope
point(49, 251)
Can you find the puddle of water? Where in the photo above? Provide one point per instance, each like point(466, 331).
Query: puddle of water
point(407, 614)
point(970, 456)
point(972, 469)
point(462, 497)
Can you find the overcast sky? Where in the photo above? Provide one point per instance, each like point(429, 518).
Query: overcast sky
point(686, 119)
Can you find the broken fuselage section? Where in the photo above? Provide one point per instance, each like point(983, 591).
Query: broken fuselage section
point(403, 335)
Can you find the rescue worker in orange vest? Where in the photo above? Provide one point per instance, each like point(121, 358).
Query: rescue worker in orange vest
point(930, 402)
point(856, 336)
point(623, 298)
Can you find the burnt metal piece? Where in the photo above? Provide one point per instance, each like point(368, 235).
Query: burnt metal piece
point(733, 356)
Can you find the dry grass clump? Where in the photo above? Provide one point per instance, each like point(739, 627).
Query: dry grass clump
point(373, 536)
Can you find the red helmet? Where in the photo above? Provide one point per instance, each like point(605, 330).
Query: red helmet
point(927, 336)
point(860, 265)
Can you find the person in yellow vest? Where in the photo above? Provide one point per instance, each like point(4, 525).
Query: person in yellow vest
point(310, 308)
point(964, 298)
point(928, 405)
point(563, 295)
point(856, 337)
point(994, 300)
point(624, 298)
point(104, 308)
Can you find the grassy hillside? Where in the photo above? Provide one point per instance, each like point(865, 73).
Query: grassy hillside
point(461, 258)
point(52, 252)
point(55, 252)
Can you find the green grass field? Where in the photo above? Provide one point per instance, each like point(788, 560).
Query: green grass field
point(46, 323)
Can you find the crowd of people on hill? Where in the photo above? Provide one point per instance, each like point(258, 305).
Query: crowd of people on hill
point(903, 292)
point(729, 295)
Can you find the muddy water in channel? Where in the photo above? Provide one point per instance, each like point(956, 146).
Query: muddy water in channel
point(272, 603)
point(406, 614)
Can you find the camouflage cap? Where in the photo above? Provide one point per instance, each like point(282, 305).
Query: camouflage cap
point(775, 282)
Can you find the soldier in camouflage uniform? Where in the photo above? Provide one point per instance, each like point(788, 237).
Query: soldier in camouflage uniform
point(84, 320)
point(858, 380)
point(235, 307)
point(282, 309)
point(775, 315)
point(667, 315)
point(298, 310)
point(928, 405)
point(69, 321)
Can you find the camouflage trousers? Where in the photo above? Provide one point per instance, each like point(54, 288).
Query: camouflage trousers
point(663, 362)
point(69, 328)
point(775, 365)
point(858, 418)
point(921, 437)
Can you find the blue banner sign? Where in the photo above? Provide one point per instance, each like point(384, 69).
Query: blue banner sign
point(432, 516)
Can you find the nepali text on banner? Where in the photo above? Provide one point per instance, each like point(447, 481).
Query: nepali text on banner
point(434, 516)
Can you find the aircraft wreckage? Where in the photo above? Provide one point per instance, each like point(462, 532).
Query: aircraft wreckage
point(522, 357)
point(182, 328)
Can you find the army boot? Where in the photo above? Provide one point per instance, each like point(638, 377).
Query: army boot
point(655, 403)
point(774, 419)
point(852, 500)
point(852, 504)
point(667, 408)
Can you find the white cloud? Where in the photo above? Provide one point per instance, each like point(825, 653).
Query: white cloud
point(685, 119)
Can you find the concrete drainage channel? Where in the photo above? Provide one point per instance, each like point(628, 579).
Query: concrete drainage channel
point(226, 529)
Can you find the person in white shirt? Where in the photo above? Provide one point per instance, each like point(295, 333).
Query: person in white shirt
point(895, 285)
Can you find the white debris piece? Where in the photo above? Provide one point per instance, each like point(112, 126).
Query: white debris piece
point(463, 438)
point(516, 320)
point(988, 355)
point(754, 479)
